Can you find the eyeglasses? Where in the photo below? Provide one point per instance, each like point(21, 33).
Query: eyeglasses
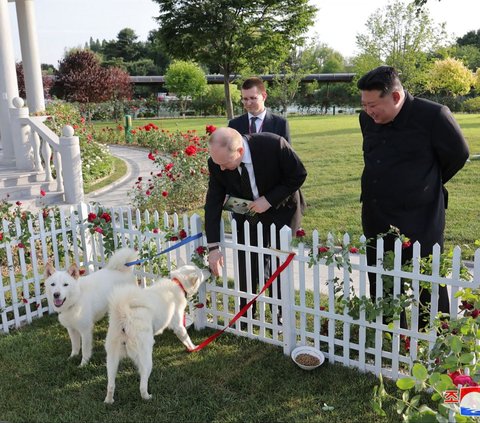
point(247, 99)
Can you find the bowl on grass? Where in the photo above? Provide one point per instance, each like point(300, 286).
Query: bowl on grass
point(307, 358)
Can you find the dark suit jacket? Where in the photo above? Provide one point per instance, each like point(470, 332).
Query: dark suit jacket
point(272, 123)
point(406, 164)
point(279, 173)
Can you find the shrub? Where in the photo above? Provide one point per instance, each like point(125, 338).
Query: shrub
point(180, 183)
point(96, 160)
point(472, 105)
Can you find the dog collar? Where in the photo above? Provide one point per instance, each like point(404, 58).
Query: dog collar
point(180, 285)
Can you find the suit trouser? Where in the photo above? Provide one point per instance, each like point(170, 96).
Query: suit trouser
point(254, 262)
point(423, 223)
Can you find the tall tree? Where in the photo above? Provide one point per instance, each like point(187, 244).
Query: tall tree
point(396, 35)
point(233, 33)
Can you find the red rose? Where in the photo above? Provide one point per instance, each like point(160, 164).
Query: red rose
point(91, 217)
point(174, 238)
point(168, 166)
point(182, 234)
point(1, 236)
point(406, 243)
point(155, 231)
point(191, 150)
point(323, 249)
point(164, 193)
point(210, 129)
point(151, 156)
point(99, 230)
point(147, 192)
point(475, 313)
point(464, 380)
point(201, 250)
point(20, 245)
point(81, 272)
point(42, 193)
point(105, 216)
point(466, 305)
point(300, 232)
point(354, 250)
point(18, 203)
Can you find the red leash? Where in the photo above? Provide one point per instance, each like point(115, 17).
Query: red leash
point(246, 306)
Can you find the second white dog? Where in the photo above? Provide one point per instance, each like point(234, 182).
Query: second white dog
point(82, 301)
point(137, 314)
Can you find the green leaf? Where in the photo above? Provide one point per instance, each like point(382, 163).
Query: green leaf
point(400, 406)
point(456, 344)
point(466, 358)
point(419, 372)
point(405, 383)
point(377, 408)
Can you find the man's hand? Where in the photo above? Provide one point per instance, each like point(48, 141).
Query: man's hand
point(260, 205)
point(215, 261)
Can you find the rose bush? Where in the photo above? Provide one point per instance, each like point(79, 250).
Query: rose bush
point(179, 182)
point(97, 162)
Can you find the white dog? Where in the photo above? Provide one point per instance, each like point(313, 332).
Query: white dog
point(137, 314)
point(82, 301)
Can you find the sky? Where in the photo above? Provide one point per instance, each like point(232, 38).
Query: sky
point(63, 24)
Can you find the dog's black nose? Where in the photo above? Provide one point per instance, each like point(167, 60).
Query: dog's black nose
point(56, 295)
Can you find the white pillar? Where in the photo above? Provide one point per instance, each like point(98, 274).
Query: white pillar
point(8, 84)
point(32, 70)
point(71, 166)
point(21, 133)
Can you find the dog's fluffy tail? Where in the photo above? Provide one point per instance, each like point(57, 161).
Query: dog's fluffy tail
point(120, 257)
point(130, 318)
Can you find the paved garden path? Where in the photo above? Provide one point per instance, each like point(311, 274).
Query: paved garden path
point(116, 194)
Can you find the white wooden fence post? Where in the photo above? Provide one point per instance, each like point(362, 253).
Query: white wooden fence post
point(20, 135)
point(288, 295)
point(71, 166)
point(200, 316)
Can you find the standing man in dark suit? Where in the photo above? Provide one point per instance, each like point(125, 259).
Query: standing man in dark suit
point(275, 175)
point(412, 147)
point(258, 118)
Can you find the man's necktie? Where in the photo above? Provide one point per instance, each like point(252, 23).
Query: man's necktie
point(253, 125)
point(247, 193)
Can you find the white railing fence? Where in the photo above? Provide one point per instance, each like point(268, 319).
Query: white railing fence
point(37, 147)
point(317, 302)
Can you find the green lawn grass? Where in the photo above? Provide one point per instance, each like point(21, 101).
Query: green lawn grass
point(331, 148)
point(234, 379)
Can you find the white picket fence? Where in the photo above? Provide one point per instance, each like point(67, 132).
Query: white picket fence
point(309, 309)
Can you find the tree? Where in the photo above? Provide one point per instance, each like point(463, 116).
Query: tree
point(450, 77)
point(287, 79)
point(397, 36)
point(471, 38)
point(229, 34)
point(80, 77)
point(185, 79)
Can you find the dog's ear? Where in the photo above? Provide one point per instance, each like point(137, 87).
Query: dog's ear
point(73, 271)
point(49, 270)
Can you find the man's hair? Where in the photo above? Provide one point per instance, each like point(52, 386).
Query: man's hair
point(226, 138)
point(384, 79)
point(254, 82)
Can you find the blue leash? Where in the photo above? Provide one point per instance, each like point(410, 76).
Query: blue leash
point(171, 248)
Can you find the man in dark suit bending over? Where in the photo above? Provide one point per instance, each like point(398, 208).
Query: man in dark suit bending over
point(411, 147)
point(275, 175)
point(258, 118)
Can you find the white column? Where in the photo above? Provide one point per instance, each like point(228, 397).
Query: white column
point(30, 55)
point(8, 84)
